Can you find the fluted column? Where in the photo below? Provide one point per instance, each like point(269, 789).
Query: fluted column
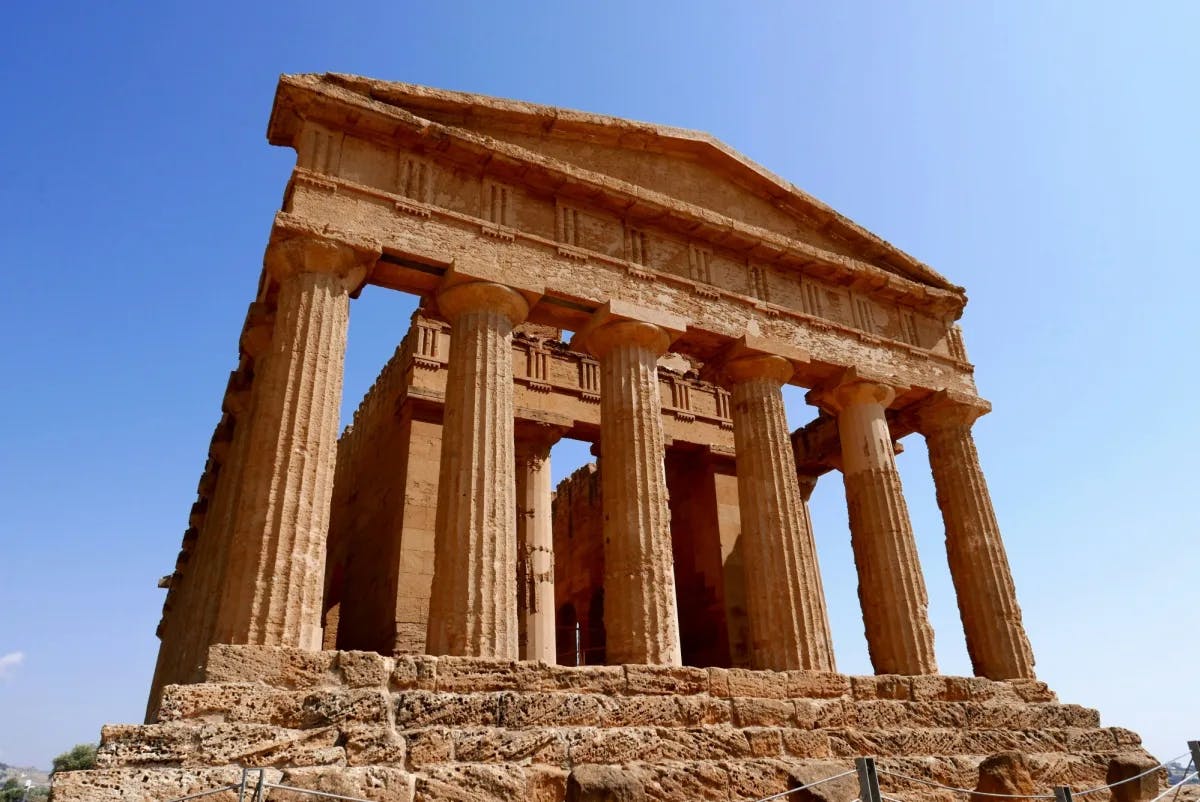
point(535, 546)
point(983, 582)
point(273, 587)
point(640, 614)
point(891, 587)
point(473, 605)
point(789, 625)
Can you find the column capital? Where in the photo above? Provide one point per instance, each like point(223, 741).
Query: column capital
point(946, 409)
point(620, 323)
point(534, 439)
point(807, 483)
point(293, 252)
point(852, 388)
point(749, 357)
point(477, 296)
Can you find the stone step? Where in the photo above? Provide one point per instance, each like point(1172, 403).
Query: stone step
point(666, 780)
point(247, 702)
point(197, 743)
point(293, 669)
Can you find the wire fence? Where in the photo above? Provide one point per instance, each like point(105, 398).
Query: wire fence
point(869, 787)
point(255, 789)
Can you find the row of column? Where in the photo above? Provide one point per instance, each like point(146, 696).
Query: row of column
point(277, 560)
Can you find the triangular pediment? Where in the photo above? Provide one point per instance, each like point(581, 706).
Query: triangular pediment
point(689, 166)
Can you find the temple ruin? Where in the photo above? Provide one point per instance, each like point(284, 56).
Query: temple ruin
point(410, 611)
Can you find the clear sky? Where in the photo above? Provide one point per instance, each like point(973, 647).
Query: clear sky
point(1044, 155)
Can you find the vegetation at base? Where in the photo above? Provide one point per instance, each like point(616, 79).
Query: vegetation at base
point(14, 790)
point(78, 758)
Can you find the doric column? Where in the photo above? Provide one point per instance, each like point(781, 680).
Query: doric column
point(789, 626)
point(640, 613)
point(891, 587)
point(535, 544)
point(987, 600)
point(473, 605)
point(273, 585)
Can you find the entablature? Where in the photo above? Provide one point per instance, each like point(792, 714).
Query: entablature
point(418, 251)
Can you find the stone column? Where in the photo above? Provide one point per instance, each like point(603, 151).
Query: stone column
point(987, 600)
point(640, 613)
point(535, 545)
point(273, 586)
point(891, 587)
point(473, 604)
point(789, 626)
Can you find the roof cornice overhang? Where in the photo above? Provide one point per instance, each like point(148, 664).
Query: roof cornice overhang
point(339, 101)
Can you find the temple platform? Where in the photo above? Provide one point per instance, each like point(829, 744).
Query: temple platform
point(408, 728)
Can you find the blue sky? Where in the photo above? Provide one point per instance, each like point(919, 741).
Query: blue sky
point(1044, 155)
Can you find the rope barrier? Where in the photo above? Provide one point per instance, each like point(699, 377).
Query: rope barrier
point(1099, 788)
point(933, 784)
point(323, 794)
point(1186, 779)
point(209, 792)
point(812, 784)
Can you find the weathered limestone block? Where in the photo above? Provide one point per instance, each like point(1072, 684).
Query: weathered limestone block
point(627, 744)
point(668, 780)
point(429, 746)
point(883, 686)
point(554, 709)
point(245, 703)
point(789, 625)
point(364, 669)
point(665, 711)
point(184, 745)
point(277, 667)
point(1004, 774)
point(415, 709)
point(146, 785)
point(822, 713)
point(940, 689)
point(751, 712)
point(802, 743)
point(729, 682)
point(987, 599)
point(375, 783)
point(650, 679)
point(816, 685)
point(470, 674)
point(543, 746)
point(471, 783)
point(472, 607)
point(1133, 778)
point(411, 671)
point(603, 784)
point(545, 784)
point(764, 741)
point(583, 679)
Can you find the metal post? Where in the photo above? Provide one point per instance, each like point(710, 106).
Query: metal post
point(868, 780)
point(242, 786)
point(1062, 794)
point(1194, 748)
point(260, 792)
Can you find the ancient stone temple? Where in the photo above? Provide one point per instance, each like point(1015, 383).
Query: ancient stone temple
point(409, 611)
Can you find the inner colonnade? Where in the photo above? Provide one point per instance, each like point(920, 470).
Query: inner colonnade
point(484, 591)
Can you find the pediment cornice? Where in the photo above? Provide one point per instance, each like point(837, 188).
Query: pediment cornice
point(372, 109)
